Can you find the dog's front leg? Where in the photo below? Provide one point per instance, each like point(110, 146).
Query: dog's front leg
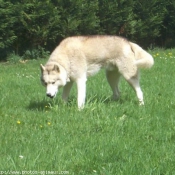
point(81, 86)
point(66, 91)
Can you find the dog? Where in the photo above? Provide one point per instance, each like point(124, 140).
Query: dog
point(79, 57)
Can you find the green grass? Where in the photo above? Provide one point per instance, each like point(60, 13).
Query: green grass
point(106, 138)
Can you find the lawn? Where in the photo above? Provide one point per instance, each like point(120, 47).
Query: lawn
point(39, 135)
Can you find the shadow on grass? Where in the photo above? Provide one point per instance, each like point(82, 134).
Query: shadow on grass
point(103, 99)
point(38, 105)
point(47, 103)
point(43, 104)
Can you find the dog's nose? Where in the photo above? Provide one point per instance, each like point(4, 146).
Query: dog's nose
point(49, 95)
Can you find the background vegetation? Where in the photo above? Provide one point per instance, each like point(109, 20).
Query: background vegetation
point(25, 27)
point(39, 134)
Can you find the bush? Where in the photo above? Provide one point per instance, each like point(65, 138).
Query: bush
point(25, 26)
point(35, 53)
point(13, 58)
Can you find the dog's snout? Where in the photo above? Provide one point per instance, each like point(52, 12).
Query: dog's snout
point(49, 95)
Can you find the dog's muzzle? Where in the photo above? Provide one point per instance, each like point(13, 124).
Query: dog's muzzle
point(51, 91)
point(50, 95)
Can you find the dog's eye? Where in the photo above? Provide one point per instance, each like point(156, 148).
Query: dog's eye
point(53, 82)
point(44, 83)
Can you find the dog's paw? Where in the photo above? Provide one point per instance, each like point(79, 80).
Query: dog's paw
point(80, 108)
point(141, 103)
point(115, 97)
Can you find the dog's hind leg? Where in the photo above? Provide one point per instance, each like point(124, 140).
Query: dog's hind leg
point(66, 90)
point(134, 82)
point(131, 74)
point(113, 78)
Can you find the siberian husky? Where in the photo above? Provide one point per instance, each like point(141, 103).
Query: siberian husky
point(78, 57)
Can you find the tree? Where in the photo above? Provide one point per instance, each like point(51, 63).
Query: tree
point(33, 24)
point(117, 17)
point(7, 22)
point(167, 36)
point(149, 16)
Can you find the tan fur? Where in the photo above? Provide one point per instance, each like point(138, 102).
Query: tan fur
point(78, 57)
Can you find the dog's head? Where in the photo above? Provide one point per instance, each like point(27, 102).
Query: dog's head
point(53, 76)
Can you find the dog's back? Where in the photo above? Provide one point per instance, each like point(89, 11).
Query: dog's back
point(97, 46)
point(104, 47)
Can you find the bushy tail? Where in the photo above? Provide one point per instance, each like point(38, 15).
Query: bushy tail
point(142, 58)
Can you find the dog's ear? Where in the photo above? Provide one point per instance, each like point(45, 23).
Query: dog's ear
point(56, 68)
point(42, 68)
point(68, 80)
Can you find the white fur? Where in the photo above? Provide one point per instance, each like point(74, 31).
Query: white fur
point(51, 90)
point(76, 58)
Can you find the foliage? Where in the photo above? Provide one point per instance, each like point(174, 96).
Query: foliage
point(150, 16)
point(35, 53)
point(8, 36)
point(13, 58)
point(25, 26)
point(167, 31)
point(117, 17)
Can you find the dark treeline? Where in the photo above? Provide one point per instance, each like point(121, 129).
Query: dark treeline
point(30, 24)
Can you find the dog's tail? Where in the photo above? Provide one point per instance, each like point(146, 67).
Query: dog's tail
point(142, 58)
